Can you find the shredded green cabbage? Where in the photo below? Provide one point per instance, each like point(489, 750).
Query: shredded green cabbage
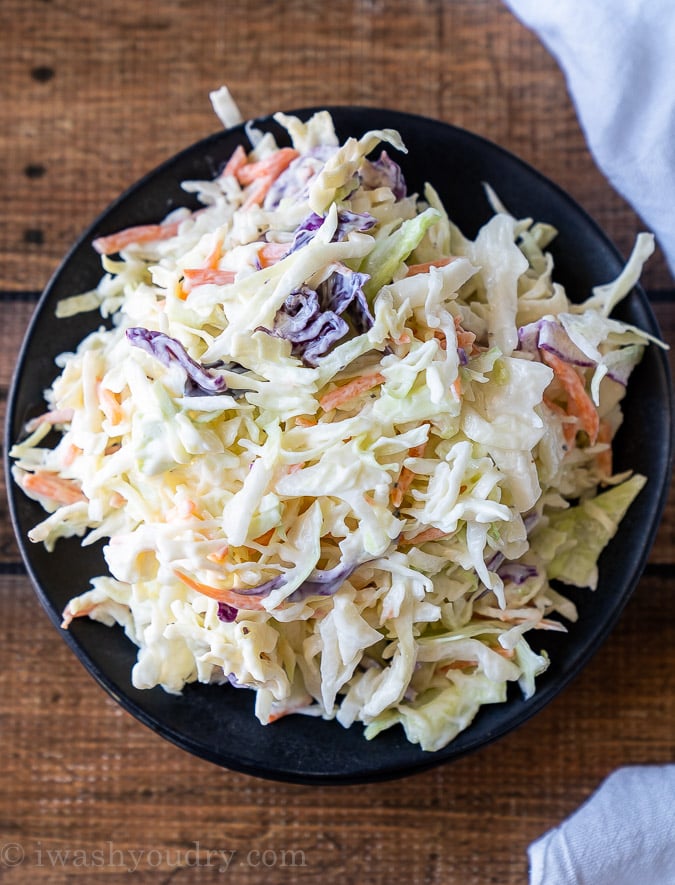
point(370, 536)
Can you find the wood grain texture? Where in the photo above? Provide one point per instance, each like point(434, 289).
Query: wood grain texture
point(95, 95)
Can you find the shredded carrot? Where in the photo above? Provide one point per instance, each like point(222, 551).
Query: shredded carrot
point(457, 665)
point(305, 421)
point(294, 468)
point(456, 388)
point(68, 614)
point(418, 451)
point(465, 339)
point(110, 405)
point(117, 500)
point(341, 395)
point(61, 491)
point(270, 253)
point(286, 711)
point(415, 269)
point(142, 233)
point(258, 193)
point(507, 653)
point(215, 254)
point(406, 476)
point(430, 534)
point(403, 483)
point(54, 416)
point(265, 538)
point(219, 555)
point(569, 428)
point(204, 276)
point(231, 597)
point(70, 454)
point(236, 161)
point(543, 624)
point(579, 402)
point(263, 174)
point(404, 338)
point(270, 167)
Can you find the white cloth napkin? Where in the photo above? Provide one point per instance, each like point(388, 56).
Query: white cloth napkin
point(623, 835)
point(618, 57)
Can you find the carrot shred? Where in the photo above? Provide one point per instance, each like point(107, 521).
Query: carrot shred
point(270, 253)
point(604, 458)
point(258, 193)
point(305, 421)
point(340, 395)
point(403, 483)
point(235, 163)
point(415, 269)
point(68, 615)
point(204, 276)
point(265, 538)
point(214, 255)
point(271, 166)
point(110, 405)
point(54, 416)
point(70, 454)
point(465, 339)
point(406, 476)
point(61, 491)
point(579, 402)
point(569, 428)
point(219, 555)
point(430, 534)
point(142, 233)
point(231, 597)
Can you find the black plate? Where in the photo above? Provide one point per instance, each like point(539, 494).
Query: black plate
point(217, 723)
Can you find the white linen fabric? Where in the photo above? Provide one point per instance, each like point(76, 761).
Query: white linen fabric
point(623, 835)
point(618, 57)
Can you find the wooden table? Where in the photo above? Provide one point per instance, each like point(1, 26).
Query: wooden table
point(93, 96)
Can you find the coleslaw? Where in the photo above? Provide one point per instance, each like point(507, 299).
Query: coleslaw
point(339, 453)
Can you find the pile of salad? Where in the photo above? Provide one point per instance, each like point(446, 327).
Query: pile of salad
point(339, 453)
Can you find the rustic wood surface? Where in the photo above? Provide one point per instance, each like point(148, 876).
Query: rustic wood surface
point(93, 96)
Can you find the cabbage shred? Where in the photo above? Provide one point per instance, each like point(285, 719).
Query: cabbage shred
point(338, 451)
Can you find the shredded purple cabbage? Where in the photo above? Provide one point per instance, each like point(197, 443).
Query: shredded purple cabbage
point(343, 292)
point(234, 682)
point(227, 613)
point(516, 572)
point(549, 335)
point(312, 319)
point(346, 223)
point(321, 582)
point(293, 183)
point(263, 589)
point(324, 582)
point(384, 172)
point(167, 350)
